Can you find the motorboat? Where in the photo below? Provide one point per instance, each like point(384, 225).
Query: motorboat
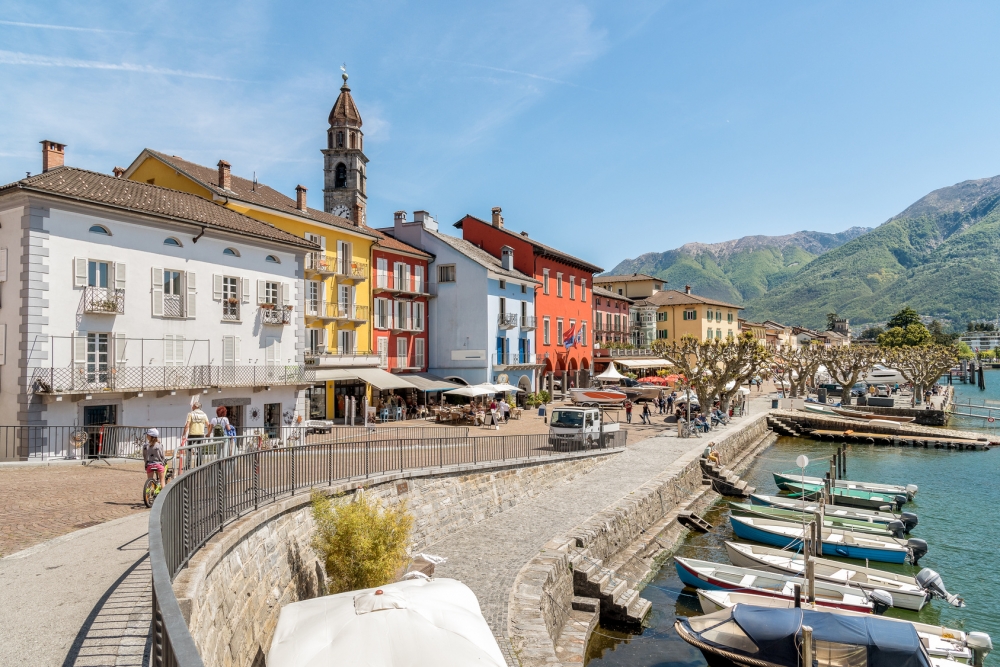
point(850, 497)
point(595, 397)
point(722, 577)
point(745, 509)
point(884, 375)
point(907, 592)
point(836, 542)
point(909, 519)
point(783, 478)
point(940, 642)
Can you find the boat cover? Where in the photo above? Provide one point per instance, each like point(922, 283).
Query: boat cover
point(774, 631)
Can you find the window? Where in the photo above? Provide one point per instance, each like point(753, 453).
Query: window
point(718, 316)
point(340, 139)
point(718, 334)
point(524, 289)
point(661, 316)
point(545, 281)
point(230, 298)
point(381, 313)
point(619, 291)
point(315, 343)
point(690, 315)
point(345, 342)
point(171, 282)
point(402, 321)
point(657, 286)
point(171, 241)
point(340, 176)
point(382, 272)
point(399, 277)
point(272, 259)
point(833, 654)
point(272, 292)
point(730, 334)
point(559, 282)
point(382, 347)
point(729, 317)
point(572, 287)
point(708, 336)
point(97, 274)
point(97, 357)
point(418, 317)
point(418, 279)
point(99, 229)
point(402, 353)
point(597, 301)
point(231, 252)
point(583, 333)
point(708, 314)
point(503, 306)
point(583, 289)
point(545, 331)
point(446, 274)
point(418, 352)
point(559, 331)
point(661, 333)
point(503, 284)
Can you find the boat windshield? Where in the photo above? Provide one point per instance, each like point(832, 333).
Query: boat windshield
point(567, 419)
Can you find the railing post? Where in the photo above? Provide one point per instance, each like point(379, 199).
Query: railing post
point(256, 479)
point(292, 451)
point(329, 463)
point(186, 520)
point(220, 482)
point(367, 444)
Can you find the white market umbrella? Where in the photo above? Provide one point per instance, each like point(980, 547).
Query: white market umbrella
point(415, 623)
point(611, 374)
point(471, 391)
point(504, 388)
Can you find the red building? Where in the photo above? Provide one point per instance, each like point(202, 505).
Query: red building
point(611, 317)
point(562, 302)
point(399, 305)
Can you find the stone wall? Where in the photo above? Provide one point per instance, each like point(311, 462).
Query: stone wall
point(234, 587)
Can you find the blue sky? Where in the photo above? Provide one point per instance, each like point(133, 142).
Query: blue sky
point(607, 129)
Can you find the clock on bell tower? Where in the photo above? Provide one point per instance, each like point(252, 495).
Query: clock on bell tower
point(344, 161)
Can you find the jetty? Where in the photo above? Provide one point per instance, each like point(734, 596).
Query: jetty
point(843, 429)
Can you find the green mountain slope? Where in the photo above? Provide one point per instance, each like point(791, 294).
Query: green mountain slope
point(737, 270)
point(940, 256)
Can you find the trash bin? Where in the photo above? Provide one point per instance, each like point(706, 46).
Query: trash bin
point(774, 404)
point(863, 399)
point(821, 394)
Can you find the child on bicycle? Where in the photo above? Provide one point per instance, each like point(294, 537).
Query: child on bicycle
point(154, 457)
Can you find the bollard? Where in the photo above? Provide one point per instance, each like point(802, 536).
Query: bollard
point(797, 592)
point(807, 645)
point(811, 581)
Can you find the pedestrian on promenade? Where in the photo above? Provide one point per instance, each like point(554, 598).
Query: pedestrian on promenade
point(154, 457)
point(670, 401)
point(195, 427)
point(220, 428)
point(628, 411)
point(647, 416)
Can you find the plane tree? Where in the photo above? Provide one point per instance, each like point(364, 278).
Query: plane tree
point(798, 365)
point(847, 364)
point(922, 365)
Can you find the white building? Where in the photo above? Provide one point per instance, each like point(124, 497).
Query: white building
point(120, 301)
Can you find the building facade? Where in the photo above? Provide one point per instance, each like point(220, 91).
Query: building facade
point(612, 318)
point(633, 286)
point(680, 314)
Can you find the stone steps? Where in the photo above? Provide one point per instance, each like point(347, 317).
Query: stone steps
point(618, 602)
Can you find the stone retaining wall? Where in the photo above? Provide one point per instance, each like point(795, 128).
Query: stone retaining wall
point(233, 589)
point(822, 422)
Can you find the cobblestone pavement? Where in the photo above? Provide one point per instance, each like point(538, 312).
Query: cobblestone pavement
point(39, 502)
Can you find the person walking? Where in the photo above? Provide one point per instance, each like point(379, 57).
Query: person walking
point(670, 401)
point(195, 427)
point(220, 428)
point(628, 411)
point(647, 416)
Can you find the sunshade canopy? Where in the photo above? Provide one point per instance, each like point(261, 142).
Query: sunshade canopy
point(611, 373)
point(416, 623)
point(472, 391)
point(373, 376)
point(428, 382)
point(645, 363)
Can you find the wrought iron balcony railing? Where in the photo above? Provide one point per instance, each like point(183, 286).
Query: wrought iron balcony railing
point(506, 320)
point(528, 322)
point(351, 270)
point(99, 378)
point(231, 310)
point(517, 359)
point(104, 300)
point(276, 315)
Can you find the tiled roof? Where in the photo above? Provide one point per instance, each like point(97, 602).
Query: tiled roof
point(392, 243)
point(600, 291)
point(672, 297)
point(245, 190)
point(541, 248)
point(480, 256)
point(625, 278)
point(122, 193)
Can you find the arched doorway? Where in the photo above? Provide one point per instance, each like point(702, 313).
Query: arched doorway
point(585, 364)
point(572, 365)
point(525, 385)
point(457, 380)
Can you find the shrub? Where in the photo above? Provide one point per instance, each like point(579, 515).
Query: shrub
point(361, 543)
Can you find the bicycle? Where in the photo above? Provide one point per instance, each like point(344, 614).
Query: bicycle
point(152, 487)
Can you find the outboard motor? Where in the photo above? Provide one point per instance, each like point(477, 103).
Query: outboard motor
point(881, 600)
point(911, 490)
point(900, 501)
point(918, 549)
point(930, 581)
point(896, 528)
point(980, 644)
point(909, 520)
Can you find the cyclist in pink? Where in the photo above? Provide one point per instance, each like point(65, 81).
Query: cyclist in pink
point(153, 456)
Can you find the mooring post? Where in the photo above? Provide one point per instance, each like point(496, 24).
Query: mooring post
point(807, 645)
point(811, 580)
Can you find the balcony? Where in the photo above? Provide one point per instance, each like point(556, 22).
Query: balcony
point(414, 293)
point(321, 263)
point(348, 270)
point(333, 358)
point(231, 310)
point(527, 322)
point(276, 315)
point(405, 326)
point(104, 301)
point(349, 312)
point(399, 364)
point(514, 360)
point(507, 320)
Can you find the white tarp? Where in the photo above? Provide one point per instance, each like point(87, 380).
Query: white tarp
point(417, 623)
point(611, 374)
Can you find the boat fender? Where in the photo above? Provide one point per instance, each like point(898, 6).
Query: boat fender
point(909, 520)
point(897, 528)
point(885, 508)
point(917, 548)
point(901, 500)
point(881, 600)
point(930, 581)
point(980, 644)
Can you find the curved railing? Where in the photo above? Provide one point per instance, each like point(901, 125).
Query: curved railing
point(200, 503)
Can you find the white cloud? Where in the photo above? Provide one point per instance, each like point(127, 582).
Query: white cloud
point(15, 58)
point(46, 26)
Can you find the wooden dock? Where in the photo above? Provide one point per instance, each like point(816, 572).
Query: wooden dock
point(820, 427)
point(894, 440)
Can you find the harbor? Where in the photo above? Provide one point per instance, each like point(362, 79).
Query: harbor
point(960, 553)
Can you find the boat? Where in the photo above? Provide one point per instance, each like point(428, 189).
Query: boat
point(783, 478)
point(868, 416)
point(818, 408)
point(907, 592)
point(722, 577)
point(909, 519)
point(884, 375)
point(836, 542)
point(850, 497)
point(745, 509)
point(595, 397)
point(939, 641)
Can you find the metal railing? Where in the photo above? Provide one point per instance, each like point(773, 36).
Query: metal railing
point(518, 359)
point(507, 320)
point(87, 378)
point(351, 270)
point(276, 315)
point(197, 505)
point(320, 262)
point(528, 322)
point(231, 310)
point(106, 300)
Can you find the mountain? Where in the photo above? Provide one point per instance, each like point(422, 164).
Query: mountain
point(941, 256)
point(737, 270)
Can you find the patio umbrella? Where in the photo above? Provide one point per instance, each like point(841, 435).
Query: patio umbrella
point(504, 388)
point(471, 391)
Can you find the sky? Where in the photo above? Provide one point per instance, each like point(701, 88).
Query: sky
point(605, 129)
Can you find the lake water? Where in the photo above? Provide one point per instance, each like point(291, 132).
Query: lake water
point(959, 493)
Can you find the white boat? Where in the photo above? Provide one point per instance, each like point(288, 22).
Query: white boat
point(595, 397)
point(909, 519)
point(818, 408)
point(941, 643)
point(907, 592)
point(884, 375)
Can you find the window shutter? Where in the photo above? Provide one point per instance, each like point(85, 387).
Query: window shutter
point(409, 314)
point(382, 273)
point(245, 290)
point(157, 292)
point(389, 306)
point(419, 283)
point(354, 342)
point(261, 291)
point(236, 349)
point(286, 293)
point(179, 350)
point(121, 344)
point(354, 293)
point(229, 350)
point(80, 272)
point(80, 347)
point(406, 278)
point(119, 275)
point(191, 294)
point(217, 287)
point(168, 350)
point(270, 349)
point(3, 344)
point(322, 339)
point(418, 360)
point(3, 265)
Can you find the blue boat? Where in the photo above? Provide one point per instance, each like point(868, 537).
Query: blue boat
point(837, 543)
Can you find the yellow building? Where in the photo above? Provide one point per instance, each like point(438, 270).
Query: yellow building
point(634, 286)
point(680, 314)
point(337, 285)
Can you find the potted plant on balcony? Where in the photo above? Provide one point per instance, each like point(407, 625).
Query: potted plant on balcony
point(267, 306)
point(232, 301)
point(290, 306)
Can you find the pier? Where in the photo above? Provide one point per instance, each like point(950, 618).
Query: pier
point(820, 427)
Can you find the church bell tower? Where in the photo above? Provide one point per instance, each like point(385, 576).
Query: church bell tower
point(344, 163)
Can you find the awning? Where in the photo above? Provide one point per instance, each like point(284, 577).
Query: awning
point(373, 376)
point(644, 363)
point(428, 382)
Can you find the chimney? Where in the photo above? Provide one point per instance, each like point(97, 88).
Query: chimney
point(507, 258)
point(53, 154)
point(497, 218)
point(687, 289)
point(398, 220)
point(425, 220)
point(300, 195)
point(225, 179)
point(119, 171)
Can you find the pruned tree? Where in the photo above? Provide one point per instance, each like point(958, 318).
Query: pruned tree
point(922, 365)
point(847, 364)
point(799, 365)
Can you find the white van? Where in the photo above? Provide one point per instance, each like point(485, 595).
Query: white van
point(578, 428)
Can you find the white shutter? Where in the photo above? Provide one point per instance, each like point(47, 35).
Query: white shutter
point(236, 349)
point(119, 275)
point(382, 273)
point(286, 293)
point(3, 344)
point(354, 342)
point(80, 272)
point(409, 314)
point(406, 278)
point(80, 347)
point(389, 313)
point(121, 345)
point(245, 290)
point(418, 353)
point(179, 350)
point(3, 265)
point(157, 292)
point(354, 301)
point(401, 352)
point(261, 291)
point(270, 350)
point(229, 350)
point(191, 294)
point(322, 339)
point(420, 313)
point(168, 350)
point(217, 287)
point(418, 284)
